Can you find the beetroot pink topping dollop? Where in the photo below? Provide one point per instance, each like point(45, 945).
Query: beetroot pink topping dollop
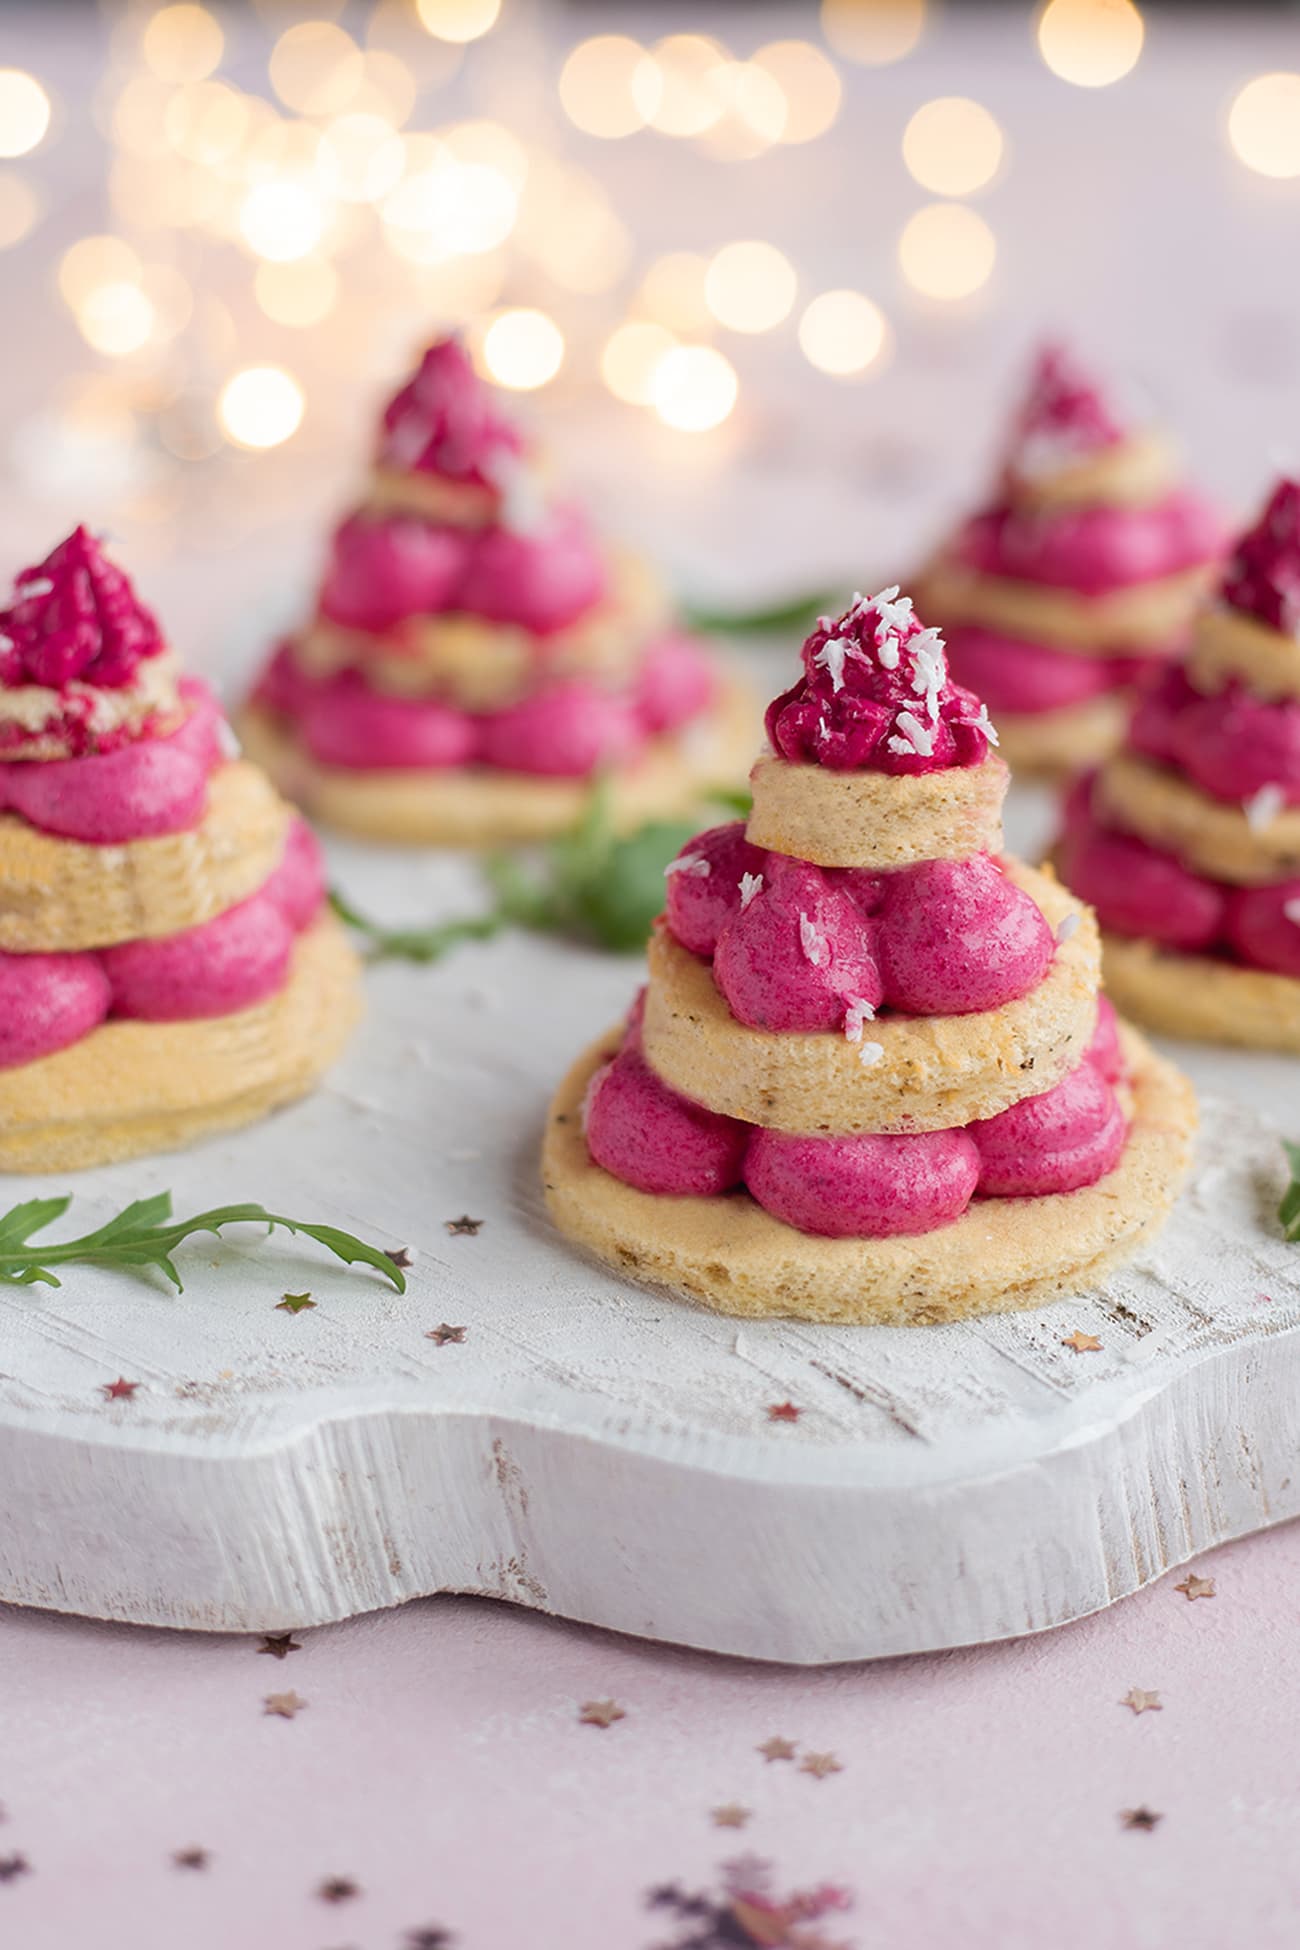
point(956, 937)
point(1262, 578)
point(676, 682)
point(75, 616)
point(47, 1002)
point(567, 731)
point(383, 570)
point(1262, 926)
point(343, 722)
point(870, 1187)
point(876, 695)
point(444, 421)
point(1092, 551)
point(703, 884)
point(1069, 1137)
point(1063, 418)
point(1230, 743)
point(797, 953)
point(1138, 889)
point(644, 1133)
point(1017, 677)
point(1104, 1051)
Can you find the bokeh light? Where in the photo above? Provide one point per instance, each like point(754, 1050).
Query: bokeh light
point(947, 251)
point(694, 388)
point(750, 286)
point(631, 358)
point(875, 32)
point(952, 146)
point(20, 210)
point(458, 20)
point(316, 68)
point(93, 261)
point(842, 333)
point(679, 90)
point(298, 294)
point(24, 112)
point(364, 157)
point(754, 111)
point(1264, 124)
point(206, 122)
point(261, 406)
point(182, 43)
point(523, 348)
point(116, 318)
point(1090, 42)
point(281, 220)
point(809, 84)
point(610, 86)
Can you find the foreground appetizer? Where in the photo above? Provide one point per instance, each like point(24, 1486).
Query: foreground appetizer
point(1187, 841)
point(167, 965)
point(1082, 574)
point(476, 656)
point(870, 1079)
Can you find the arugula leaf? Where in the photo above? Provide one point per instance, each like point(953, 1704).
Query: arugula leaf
point(797, 613)
point(417, 944)
point(140, 1236)
point(1289, 1210)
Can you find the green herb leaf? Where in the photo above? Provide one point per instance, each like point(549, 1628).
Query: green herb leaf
point(1289, 1210)
point(141, 1237)
point(417, 944)
point(797, 613)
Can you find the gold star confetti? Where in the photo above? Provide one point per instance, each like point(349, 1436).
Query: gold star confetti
point(782, 1412)
point(443, 1335)
point(119, 1390)
point(283, 1704)
point(820, 1765)
point(600, 1713)
point(191, 1858)
point(1145, 1818)
point(1194, 1587)
point(1141, 1702)
point(1082, 1343)
point(13, 1866)
point(338, 1889)
point(732, 1815)
point(464, 1224)
point(279, 1644)
point(777, 1749)
point(294, 1303)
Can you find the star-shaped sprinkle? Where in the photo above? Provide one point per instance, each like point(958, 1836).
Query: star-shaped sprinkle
point(1082, 1343)
point(431, 1937)
point(338, 1889)
point(285, 1705)
point(600, 1713)
point(463, 1224)
point(730, 1815)
point(1140, 1702)
point(820, 1765)
point(119, 1390)
point(294, 1303)
point(782, 1412)
point(443, 1335)
point(13, 1866)
point(191, 1858)
point(279, 1644)
point(1194, 1587)
point(1145, 1818)
point(777, 1749)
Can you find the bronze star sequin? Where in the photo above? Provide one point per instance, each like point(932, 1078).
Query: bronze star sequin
point(338, 1889)
point(732, 1815)
point(431, 1937)
point(783, 1412)
point(279, 1644)
point(294, 1303)
point(1082, 1343)
point(1141, 1702)
point(444, 1335)
point(285, 1705)
point(600, 1713)
point(777, 1749)
point(13, 1866)
point(1194, 1587)
point(464, 1224)
point(1145, 1818)
point(119, 1390)
point(401, 1256)
point(191, 1858)
point(820, 1765)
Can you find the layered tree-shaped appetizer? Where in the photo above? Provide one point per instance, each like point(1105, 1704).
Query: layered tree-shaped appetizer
point(1082, 574)
point(1187, 842)
point(870, 1078)
point(477, 656)
point(167, 965)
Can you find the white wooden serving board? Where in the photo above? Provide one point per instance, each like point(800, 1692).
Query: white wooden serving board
point(592, 1449)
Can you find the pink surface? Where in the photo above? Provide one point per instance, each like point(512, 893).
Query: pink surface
point(440, 1763)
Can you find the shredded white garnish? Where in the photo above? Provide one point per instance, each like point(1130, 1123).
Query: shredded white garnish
point(984, 723)
point(227, 741)
point(38, 586)
point(1292, 911)
point(870, 1054)
point(813, 942)
point(1069, 924)
point(750, 884)
point(915, 737)
point(855, 1015)
point(1263, 808)
point(832, 657)
point(692, 864)
point(930, 668)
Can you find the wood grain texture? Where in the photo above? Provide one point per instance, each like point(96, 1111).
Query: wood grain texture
point(591, 1449)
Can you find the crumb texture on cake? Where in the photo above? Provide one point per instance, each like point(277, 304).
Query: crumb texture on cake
point(875, 820)
point(1202, 997)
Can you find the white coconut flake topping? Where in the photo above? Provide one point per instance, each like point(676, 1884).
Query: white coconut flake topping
point(855, 1015)
point(1263, 807)
point(1292, 911)
point(813, 942)
point(1067, 926)
point(750, 884)
point(694, 865)
point(912, 735)
point(37, 586)
point(832, 657)
point(870, 1054)
point(984, 723)
point(930, 668)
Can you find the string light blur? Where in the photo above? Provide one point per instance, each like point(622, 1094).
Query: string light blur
point(298, 294)
point(631, 358)
point(1091, 43)
point(875, 32)
point(842, 333)
point(24, 112)
point(1264, 125)
point(20, 210)
point(952, 146)
point(947, 251)
point(523, 348)
point(458, 20)
point(809, 85)
point(682, 90)
point(750, 287)
point(182, 43)
point(694, 388)
point(673, 291)
point(260, 407)
point(609, 86)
